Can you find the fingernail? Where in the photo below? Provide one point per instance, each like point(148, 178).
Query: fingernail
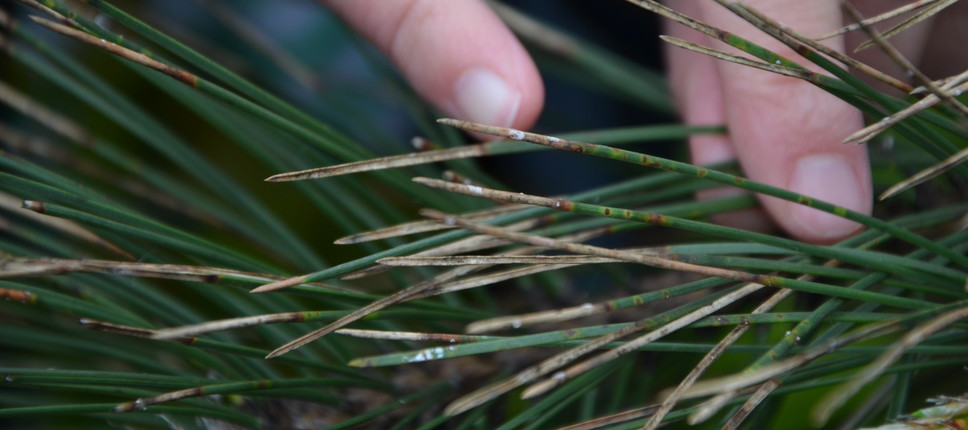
point(482, 96)
point(829, 178)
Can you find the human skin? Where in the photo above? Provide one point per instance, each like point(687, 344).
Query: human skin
point(785, 132)
point(461, 58)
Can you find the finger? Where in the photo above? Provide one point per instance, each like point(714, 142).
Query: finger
point(787, 132)
point(695, 85)
point(696, 88)
point(457, 54)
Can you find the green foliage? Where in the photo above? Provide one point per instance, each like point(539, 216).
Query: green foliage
point(135, 220)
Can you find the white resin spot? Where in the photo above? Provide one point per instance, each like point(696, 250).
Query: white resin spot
point(553, 139)
point(427, 354)
point(415, 359)
point(778, 62)
point(476, 190)
point(516, 134)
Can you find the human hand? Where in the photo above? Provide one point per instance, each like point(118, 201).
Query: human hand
point(785, 132)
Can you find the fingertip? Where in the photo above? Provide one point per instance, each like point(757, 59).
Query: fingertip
point(834, 178)
point(459, 56)
point(482, 95)
point(496, 84)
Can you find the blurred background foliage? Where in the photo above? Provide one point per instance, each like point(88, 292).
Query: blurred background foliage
point(174, 175)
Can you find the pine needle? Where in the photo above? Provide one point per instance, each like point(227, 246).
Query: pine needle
point(437, 285)
point(280, 284)
point(670, 400)
point(67, 227)
point(15, 295)
point(54, 121)
point(409, 336)
point(783, 33)
point(658, 261)
point(421, 226)
point(690, 170)
point(587, 309)
point(799, 42)
point(925, 175)
point(743, 380)
point(877, 19)
point(910, 22)
point(611, 420)
point(762, 392)
point(19, 266)
point(561, 377)
point(929, 101)
point(264, 45)
point(193, 330)
point(490, 392)
point(412, 159)
point(470, 244)
point(474, 260)
point(710, 407)
point(805, 75)
point(545, 317)
point(490, 278)
point(127, 54)
point(906, 64)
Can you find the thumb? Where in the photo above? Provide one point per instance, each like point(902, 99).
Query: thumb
point(457, 54)
point(787, 132)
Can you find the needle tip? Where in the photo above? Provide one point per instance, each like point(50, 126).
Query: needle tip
point(278, 285)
